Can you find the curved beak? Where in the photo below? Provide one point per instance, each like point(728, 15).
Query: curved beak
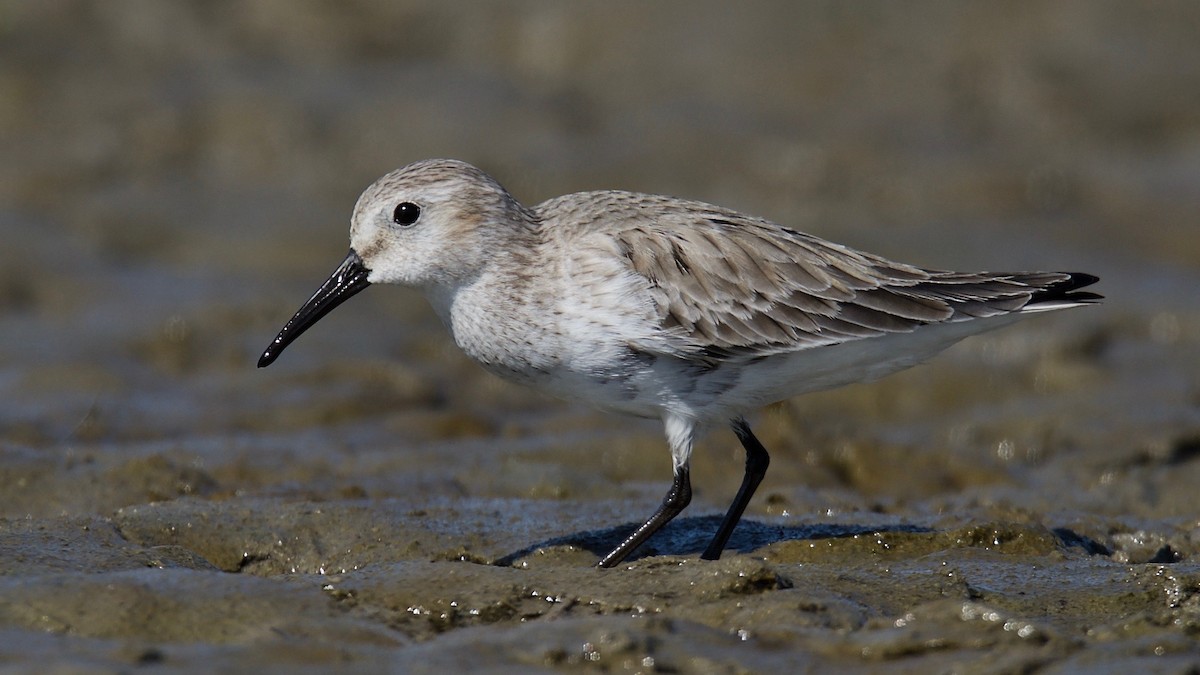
point(349, 278)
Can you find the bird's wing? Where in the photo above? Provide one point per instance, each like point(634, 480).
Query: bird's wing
point(729, 286)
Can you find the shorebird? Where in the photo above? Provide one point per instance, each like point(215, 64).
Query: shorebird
point(660, 307)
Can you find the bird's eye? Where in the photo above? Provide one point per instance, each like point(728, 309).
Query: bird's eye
point(406, 213)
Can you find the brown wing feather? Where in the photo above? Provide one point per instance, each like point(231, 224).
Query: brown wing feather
point(729, 285)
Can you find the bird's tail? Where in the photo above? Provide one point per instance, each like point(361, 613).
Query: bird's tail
point(1060, 292)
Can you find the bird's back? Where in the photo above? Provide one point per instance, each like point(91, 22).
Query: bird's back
point(729, 286)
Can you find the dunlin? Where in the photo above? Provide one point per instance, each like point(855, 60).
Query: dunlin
point(660, 307)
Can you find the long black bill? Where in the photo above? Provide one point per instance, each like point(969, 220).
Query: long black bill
point(349, 278)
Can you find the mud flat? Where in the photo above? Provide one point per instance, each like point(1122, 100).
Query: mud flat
point(174, 181)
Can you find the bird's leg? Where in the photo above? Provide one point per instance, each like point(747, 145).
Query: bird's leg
point(676, 500)
point(757, 461)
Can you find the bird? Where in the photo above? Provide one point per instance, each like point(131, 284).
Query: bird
point(659, 307)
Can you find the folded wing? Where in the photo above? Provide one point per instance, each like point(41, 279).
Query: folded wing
point(727, 286)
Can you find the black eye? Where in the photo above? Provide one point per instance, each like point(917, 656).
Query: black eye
point(406, 213)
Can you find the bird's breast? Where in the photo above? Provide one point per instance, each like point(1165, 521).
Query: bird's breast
point(554, 343)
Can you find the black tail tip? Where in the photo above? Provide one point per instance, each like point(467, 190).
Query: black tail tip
point(1067, 290)
point(1077, 280)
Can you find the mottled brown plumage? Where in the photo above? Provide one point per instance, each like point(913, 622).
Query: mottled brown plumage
point(729, 285)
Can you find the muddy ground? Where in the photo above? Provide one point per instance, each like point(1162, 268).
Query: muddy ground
point(176, 178)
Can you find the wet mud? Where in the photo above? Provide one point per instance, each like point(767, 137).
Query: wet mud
point(176, 178)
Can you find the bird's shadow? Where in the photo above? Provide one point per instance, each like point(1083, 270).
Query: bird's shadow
point(687, 536)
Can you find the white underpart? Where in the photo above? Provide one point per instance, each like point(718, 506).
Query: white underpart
point(681, 434)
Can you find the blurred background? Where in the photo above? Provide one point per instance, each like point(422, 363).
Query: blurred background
point(177, 177)
point(179, 168)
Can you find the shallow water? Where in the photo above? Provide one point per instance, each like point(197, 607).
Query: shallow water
point(175, 179)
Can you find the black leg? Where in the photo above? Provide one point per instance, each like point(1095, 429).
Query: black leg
point(757, 461)
point(676, 500)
